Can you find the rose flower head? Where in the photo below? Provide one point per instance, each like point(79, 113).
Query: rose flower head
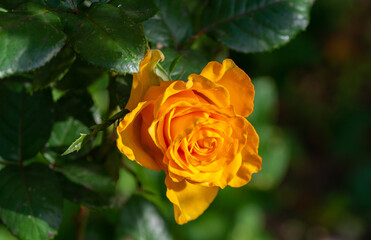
point(195, 131)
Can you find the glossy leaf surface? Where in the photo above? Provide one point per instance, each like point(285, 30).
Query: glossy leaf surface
point(254, 25)
point(140, 219)
point(25, 122)
point(106, 37)
point(28, 40)
point(32, 205)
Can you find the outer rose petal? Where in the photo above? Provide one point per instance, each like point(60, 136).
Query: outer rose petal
point(236, 81)
point(251, 161)
point(145, 78)
point(190, 200)
point(129, 138)
point(211, 92)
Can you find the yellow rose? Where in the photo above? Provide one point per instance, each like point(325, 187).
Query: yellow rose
point(195, 131)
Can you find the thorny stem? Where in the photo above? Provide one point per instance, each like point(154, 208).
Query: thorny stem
point(81, 222)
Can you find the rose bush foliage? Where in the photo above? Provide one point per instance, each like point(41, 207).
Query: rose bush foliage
point(195, 131)
point(66, 69)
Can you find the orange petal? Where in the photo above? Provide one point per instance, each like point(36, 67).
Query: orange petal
point(154, 92)
point(145, 78)
point(236, 81)
point(129, 138)
point(251, 161)
point(190, 200)
point(208, 90)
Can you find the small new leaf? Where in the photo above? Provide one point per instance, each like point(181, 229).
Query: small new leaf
point(76, 145)
point(83, 139)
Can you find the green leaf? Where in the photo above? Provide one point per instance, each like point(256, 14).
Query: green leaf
point(25, 122)
point(171, 26)
point(107, 38)
point(66, 132)
point(90, 175)
point(11, 4)
point(54, 70)
point(100, 95)
point(162, 73)
point(63, 4)
point(80, 76)
point(253, 25)
point(76, 145)
point(5, 234)
point(81, 195)
point(122, 90)
point(139, 11)
point(28, 41)
point(31, 206)
point(97, 128)
point(181, 65)
point(76, 104)
point(137, 220)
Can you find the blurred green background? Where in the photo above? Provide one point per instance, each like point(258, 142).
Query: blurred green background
point(313, 115)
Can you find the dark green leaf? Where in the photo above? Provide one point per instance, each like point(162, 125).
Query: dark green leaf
point(90, 175)
point(254, 25)
point(76, 104)
point(25, 122)
point(100, 95)
point(122, 90)
point(171, 26)
point(80, 76)
point(107, 38)
point(63, 4)
point(81, 195)
point(28, 41)
point(185, 63)
point(31, 204)
point(12, 4)
point(54, 70)
point(139, 219)
point(139, 11)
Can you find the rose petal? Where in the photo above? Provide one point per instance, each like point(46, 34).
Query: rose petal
point(145, 78)
point(154, 92)
point(237, 82)
point(129, 138)
point(190, 200)
point(251, 161)
point(208, 90)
